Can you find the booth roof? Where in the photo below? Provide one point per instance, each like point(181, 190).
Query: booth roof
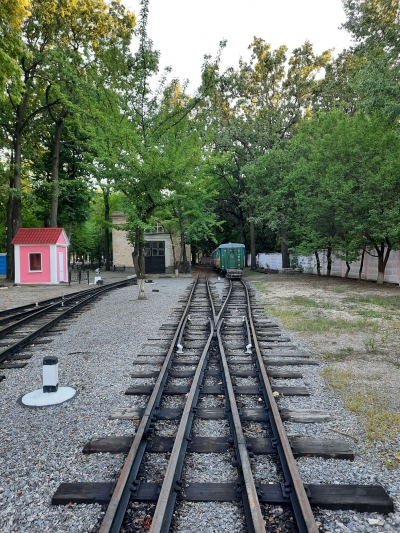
point(37, 236)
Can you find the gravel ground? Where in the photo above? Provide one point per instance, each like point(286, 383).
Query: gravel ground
point(42, 447)
point(14, 296)
point(208, 517)
point(369, 465)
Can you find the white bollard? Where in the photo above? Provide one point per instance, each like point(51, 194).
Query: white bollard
point(50, 374)
point(50, 393)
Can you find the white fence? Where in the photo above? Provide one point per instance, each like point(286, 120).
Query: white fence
point(309, 264)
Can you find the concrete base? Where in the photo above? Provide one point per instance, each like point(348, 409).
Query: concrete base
point(38, 398)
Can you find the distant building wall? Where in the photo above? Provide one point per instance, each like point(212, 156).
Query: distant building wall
point(122, 249)
point(309, 265)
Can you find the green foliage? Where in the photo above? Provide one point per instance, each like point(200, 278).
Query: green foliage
point(12, 13)
point(306, 159)
point(375, 27)
point(343, 183)
point(256, 110)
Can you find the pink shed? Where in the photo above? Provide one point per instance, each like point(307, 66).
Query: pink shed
point(41, 255)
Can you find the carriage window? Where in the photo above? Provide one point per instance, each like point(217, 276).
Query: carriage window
point(35, 262)
point(232, 253)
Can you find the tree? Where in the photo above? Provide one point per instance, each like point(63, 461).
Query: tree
point(345, 182)
point(375, 27)
point(147, 164)
point(12, 14)
point(257, 109)
point(49, 34)
point(189, 212)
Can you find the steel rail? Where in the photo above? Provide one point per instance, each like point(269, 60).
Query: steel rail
point(164, 507)
point(25, 308)
point(51, 323)
point(251, 490)
point(298, 497)
point(21, 313)
point(15, 313)
point(165, 502)
point(114, 515)
point(36, 312)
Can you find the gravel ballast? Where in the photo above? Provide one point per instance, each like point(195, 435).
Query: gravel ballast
point(42, 447)
point(368, 468)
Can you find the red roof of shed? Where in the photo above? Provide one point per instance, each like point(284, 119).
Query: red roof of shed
point(37, 236)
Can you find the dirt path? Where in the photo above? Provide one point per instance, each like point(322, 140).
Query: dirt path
point(354, 328)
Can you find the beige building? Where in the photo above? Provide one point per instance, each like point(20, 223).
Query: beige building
point(159, 248)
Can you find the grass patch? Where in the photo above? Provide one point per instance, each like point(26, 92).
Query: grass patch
point(338, 290)
point(308, 302)
point(259, 285)
point(380, 422)
point(295, 320)
point(340, 355)
point(387, 302)
point(369, 313)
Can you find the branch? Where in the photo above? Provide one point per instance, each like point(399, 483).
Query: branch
point(37, 111)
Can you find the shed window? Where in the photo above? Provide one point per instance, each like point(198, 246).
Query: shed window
point(154, 248)
point(35, 262)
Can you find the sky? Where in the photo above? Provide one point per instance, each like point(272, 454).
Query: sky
point(185, 30)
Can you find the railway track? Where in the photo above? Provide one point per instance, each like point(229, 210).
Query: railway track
point(37, 324)
point(217, 359)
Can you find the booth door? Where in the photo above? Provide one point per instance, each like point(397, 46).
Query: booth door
point(61, 265)
point(155, 257)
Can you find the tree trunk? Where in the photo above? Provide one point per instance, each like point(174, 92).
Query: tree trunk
point(348, 269)
point(382, 260)
point(284, 248)
point(184, 256)
point(14, 205)
point(139, 263)
point(54, 174)
point(252, 240)
point(329, 260)
point(69, 231)
point(242, 229)
point(318, 263)
point(9, 234)
point(106, 195)
point(362, 263)
point(176, 262)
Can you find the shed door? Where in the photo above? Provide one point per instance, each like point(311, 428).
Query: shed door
point(155, 257)
point(61, 265)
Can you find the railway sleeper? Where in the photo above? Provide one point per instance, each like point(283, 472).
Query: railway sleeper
point(247, 414)
point(216, 373)
point(301, 446)
point(361, 498)
point(217, 390)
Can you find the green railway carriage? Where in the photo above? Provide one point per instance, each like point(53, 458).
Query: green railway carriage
point(229, 259)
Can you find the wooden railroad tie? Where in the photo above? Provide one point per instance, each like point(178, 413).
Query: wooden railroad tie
point(301, 446)
point(248, 414)
point(361, 498)
point(217, 390)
